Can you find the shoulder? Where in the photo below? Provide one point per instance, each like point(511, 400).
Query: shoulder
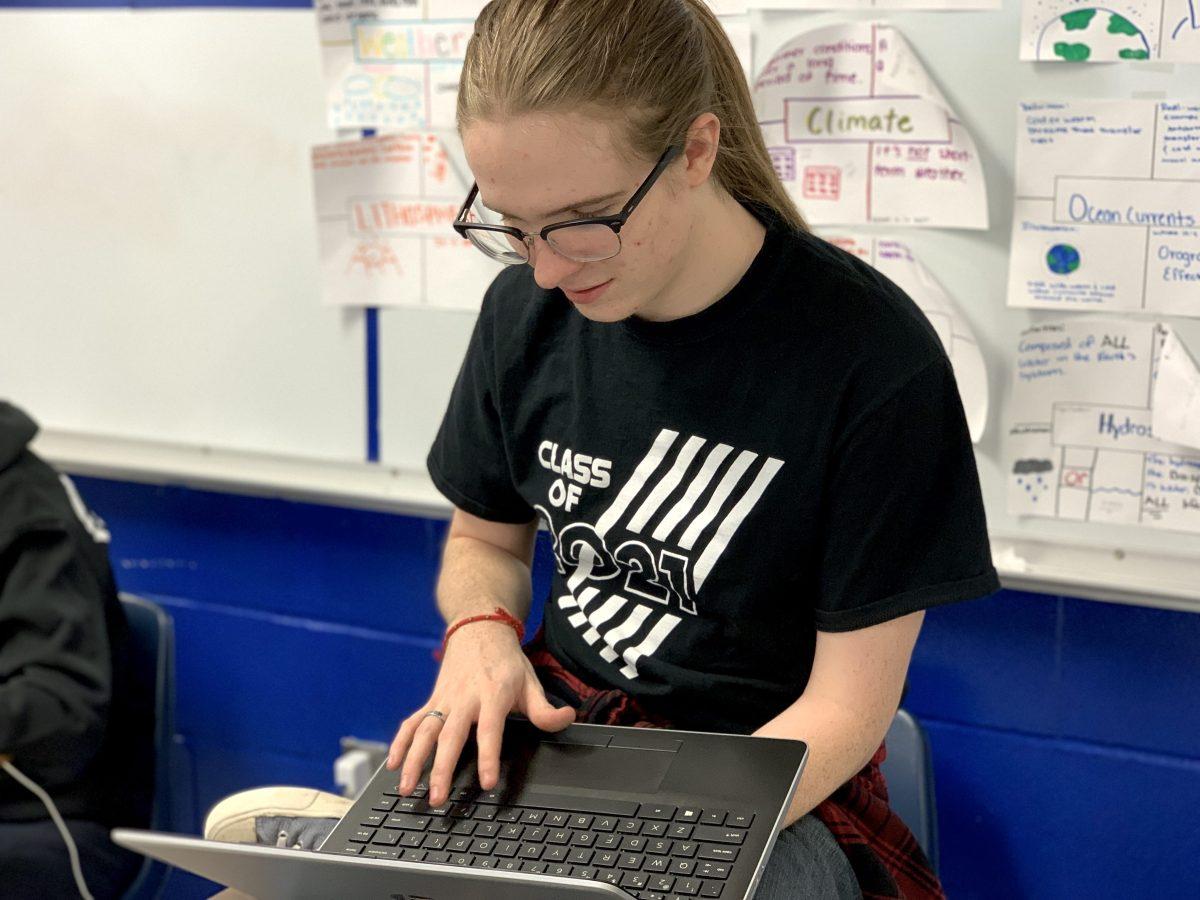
point(867, 335)
point(32, 498)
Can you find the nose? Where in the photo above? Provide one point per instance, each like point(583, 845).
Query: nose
point(549, 268)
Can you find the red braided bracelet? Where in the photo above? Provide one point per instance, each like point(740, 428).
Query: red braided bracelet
point(500, 615)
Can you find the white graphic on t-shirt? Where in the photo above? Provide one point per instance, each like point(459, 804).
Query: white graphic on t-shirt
point(692, 523)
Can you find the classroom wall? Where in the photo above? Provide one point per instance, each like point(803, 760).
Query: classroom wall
point(1065, 732)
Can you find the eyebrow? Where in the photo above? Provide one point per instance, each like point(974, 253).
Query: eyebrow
point(578, 206)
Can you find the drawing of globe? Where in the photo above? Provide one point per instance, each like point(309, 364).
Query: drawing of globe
point(1091, 34)
point(1062, 259)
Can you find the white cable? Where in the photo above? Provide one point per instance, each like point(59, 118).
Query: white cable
point(33, 786)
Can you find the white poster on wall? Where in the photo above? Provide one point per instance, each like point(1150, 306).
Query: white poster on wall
point(393, 64)
point(859, 133)
point(896, 260)
point(384, 211)
point(1107, 211)
point(1081, 439)
point(877, 4)
point(1119, 30)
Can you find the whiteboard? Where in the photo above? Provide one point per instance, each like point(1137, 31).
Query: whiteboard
point(159, 258)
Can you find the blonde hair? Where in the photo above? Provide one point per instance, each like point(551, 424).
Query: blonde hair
point(657, 64)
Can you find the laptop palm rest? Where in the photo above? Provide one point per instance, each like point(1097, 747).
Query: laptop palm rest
point(596, 768)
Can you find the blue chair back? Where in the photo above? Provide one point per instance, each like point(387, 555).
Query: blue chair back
point(908, 770)
point(152, 648)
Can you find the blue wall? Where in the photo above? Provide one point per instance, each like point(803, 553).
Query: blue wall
point(1065, 732)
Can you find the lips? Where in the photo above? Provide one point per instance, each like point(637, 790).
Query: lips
point(587, 295)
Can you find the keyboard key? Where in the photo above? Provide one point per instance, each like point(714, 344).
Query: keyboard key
point(373, 819)
point(533, 868)
point(605, 823)
point(656, 811)
point(580, 821)
point(483, 862)
point(350, 849)
point(484, 813)
point(608, 842)
point(407, 822)
point(460, 859)
point(530, 851)
point(739, 820)
point(611, 876)
point(557, 819)
point(662, 883)
point(634, 880)
point(537, 835)
point(679, 830)
point(362, 835)
point(437, 856)
point(555, 853)
point(630, 860)
point(410, 805)
point(459, 844)
point(659, 846)
point(580, 856)
point(509, 814)
point(412, 839)
point(606, 859)
point(683, 866)
point(558, 836)
point(636, 844)
point(685, 848)
point(629, 826)
point(463, 826)
point(656, 864)
point(707, 869)
point(486, 829)
point(562, 869)
point(583, 839)
point(462, 810)
point(384, 805)
point(412, 854)
point(506, 848)
point(533, 817)
point(713, 834)
point(510, 832)
point(654, 829)
point(688, 814)
point(483, 846)
point(386, 839)
point(713, 817)
point(721, 854)
point(462, 793)
point(508, 865)
point(381, 853)
point(688, 887)
point(435, 841)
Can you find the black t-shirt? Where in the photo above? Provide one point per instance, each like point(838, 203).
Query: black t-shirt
point(719, 487)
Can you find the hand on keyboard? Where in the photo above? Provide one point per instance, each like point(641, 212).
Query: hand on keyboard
point(484, 676)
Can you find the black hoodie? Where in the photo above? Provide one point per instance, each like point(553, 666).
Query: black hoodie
point(70, 716)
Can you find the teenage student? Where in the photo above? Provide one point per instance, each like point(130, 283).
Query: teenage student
point(75, 731)
point(747, 446)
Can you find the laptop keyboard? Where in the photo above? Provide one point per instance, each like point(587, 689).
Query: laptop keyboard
point(650, 851)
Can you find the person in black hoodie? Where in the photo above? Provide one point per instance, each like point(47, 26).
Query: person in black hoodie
point(70, 717)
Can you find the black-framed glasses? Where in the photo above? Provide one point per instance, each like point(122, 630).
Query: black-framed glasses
point(591, 239)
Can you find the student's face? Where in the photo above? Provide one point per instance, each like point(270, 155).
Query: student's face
point(533, 166)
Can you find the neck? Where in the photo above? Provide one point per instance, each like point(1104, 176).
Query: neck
point(723, 242)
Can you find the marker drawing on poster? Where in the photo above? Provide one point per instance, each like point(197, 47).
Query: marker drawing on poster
point(860, 134)
point(1113, 31)
point(896, 260)
point(384, 211)
point(1107, 211)
point(1081, 441)
point(388, 64)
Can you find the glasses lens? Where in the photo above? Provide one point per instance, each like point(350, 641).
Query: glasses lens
point(499, 245)
point(585, 243)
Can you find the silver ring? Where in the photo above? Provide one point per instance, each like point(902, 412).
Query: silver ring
point(436, 713)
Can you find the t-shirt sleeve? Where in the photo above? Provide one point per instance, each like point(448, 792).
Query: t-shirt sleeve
point(904, 519)
point(469, 462)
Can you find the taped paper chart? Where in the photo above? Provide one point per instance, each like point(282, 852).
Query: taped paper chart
point(877, 4)
point(384, 211)
point(859, 133)
point(896, 260)
point(1081, 442)
point(1107, 212)
point(390, 65)
point(1074, 31)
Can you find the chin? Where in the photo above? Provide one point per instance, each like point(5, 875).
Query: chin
point(605, 313)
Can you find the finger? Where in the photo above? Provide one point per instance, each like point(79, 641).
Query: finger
point(540, 711)
point(489, 735)
point(423, 741)
point(400, 742)
point(449, 749)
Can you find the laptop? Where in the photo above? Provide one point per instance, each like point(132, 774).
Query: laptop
point(593, 811)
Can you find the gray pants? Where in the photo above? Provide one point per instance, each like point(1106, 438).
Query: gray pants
point(807, 864)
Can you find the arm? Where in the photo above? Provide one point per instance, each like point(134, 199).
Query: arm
point(484, 674)
point(848, 705)
point(55, 674)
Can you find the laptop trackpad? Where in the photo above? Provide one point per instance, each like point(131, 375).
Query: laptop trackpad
point(597, 768)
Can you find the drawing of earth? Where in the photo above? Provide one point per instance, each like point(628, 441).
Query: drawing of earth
point(1092, 33)
point(1062, 259)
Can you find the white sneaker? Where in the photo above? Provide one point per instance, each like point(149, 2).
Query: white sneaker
point(280, 816)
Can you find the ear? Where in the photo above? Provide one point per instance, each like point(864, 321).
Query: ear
point(700, 152)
